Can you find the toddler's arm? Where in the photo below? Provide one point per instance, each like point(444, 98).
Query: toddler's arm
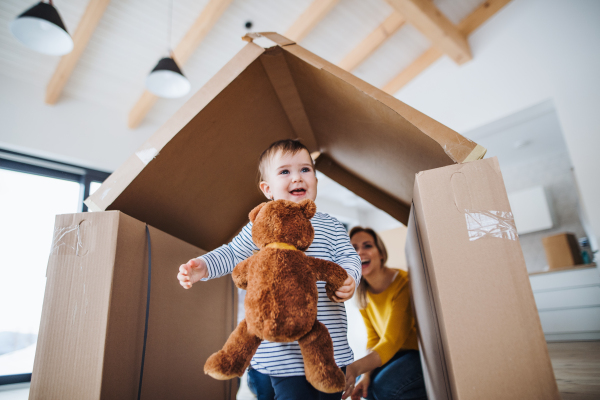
point(218, 262)
point(345, 256)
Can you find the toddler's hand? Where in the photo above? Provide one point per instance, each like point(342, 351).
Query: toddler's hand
point(346, 291)
point(191, 272)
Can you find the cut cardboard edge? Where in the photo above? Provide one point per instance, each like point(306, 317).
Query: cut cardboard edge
point(91, 205)
point(477, 154)
point(272, 36)
point(434, 360)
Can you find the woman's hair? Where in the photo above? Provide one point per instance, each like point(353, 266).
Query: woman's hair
point(361, 291)
point(285, 146)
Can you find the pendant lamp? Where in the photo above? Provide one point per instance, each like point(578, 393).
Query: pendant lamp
point(166, 79)
point(41, 29)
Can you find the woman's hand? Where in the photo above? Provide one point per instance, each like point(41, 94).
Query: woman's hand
point(361, 388)
point(362, 366)
point(351, 374)
point(345, 291)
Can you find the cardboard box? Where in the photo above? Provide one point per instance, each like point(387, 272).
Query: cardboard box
point(91, 335)
point(480, 333)
point(195, 179)
point(562, 251)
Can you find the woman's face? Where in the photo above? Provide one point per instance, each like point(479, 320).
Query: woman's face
point(364, 244)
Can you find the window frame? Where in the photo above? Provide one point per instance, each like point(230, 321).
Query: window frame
point(24, 163)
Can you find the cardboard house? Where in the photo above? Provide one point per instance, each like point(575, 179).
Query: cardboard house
point(195, 180)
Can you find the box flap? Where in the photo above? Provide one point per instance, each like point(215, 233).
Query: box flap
point(196, 177)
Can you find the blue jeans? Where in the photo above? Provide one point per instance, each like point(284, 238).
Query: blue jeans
point(260, 385)
point(286, 387)
point(401, 378)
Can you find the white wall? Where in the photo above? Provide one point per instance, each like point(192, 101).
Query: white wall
point(531, 51)
point(554, 173)
point(71, 131)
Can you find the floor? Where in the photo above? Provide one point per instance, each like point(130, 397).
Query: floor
point(577, 369)
point(576, 366)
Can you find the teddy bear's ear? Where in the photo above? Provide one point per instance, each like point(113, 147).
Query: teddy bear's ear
point(255, 211)
point(308, 207)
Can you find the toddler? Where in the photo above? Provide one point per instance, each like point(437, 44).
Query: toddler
point(287, 172)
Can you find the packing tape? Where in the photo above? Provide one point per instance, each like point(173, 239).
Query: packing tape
point(498, 224)
point(64, 238)
point(147, 155)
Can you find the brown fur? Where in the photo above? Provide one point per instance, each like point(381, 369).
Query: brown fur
point(281, 298)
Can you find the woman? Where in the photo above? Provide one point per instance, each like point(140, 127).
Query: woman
point(392, 369)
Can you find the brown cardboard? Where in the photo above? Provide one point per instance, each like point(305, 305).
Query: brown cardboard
point(562, 250)
point(480, 333)
point(196, 177)
point(92, 327)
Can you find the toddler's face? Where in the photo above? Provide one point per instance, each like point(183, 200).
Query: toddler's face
point(290, 177)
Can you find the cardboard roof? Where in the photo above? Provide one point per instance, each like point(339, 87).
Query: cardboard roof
point(196, 177)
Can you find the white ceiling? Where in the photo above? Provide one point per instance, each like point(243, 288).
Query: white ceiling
point(132, 36)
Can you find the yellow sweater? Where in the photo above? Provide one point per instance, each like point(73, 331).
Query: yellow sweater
point(389, 319)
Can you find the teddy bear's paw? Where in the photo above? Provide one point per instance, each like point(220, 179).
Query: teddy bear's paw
point(330, 380)
point(221, 367)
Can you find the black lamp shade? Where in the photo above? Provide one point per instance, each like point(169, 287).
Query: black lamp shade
point(41, 29)
point(166, 80)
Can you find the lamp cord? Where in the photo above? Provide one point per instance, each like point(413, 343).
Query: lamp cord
point(170, 28)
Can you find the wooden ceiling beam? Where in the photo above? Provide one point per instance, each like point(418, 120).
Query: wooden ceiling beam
point(485, 11)
point(194, 36)
point(315, 12)
point(88, 23)
point(469, 24)
point(372, 42)
point(432, 23)
point(415, 68)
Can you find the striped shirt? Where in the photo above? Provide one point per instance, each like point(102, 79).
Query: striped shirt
point(331, 243)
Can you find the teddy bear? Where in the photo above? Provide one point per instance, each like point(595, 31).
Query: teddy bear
point(281, 298)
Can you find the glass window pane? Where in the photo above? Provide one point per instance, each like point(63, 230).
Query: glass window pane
point(28, 205)
point(94, 186)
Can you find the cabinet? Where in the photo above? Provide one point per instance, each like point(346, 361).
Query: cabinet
point(568, 303)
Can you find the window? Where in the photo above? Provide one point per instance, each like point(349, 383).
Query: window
point(32, 192)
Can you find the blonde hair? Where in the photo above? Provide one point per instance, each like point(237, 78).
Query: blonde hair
point(361, 291)
point(285, 146)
